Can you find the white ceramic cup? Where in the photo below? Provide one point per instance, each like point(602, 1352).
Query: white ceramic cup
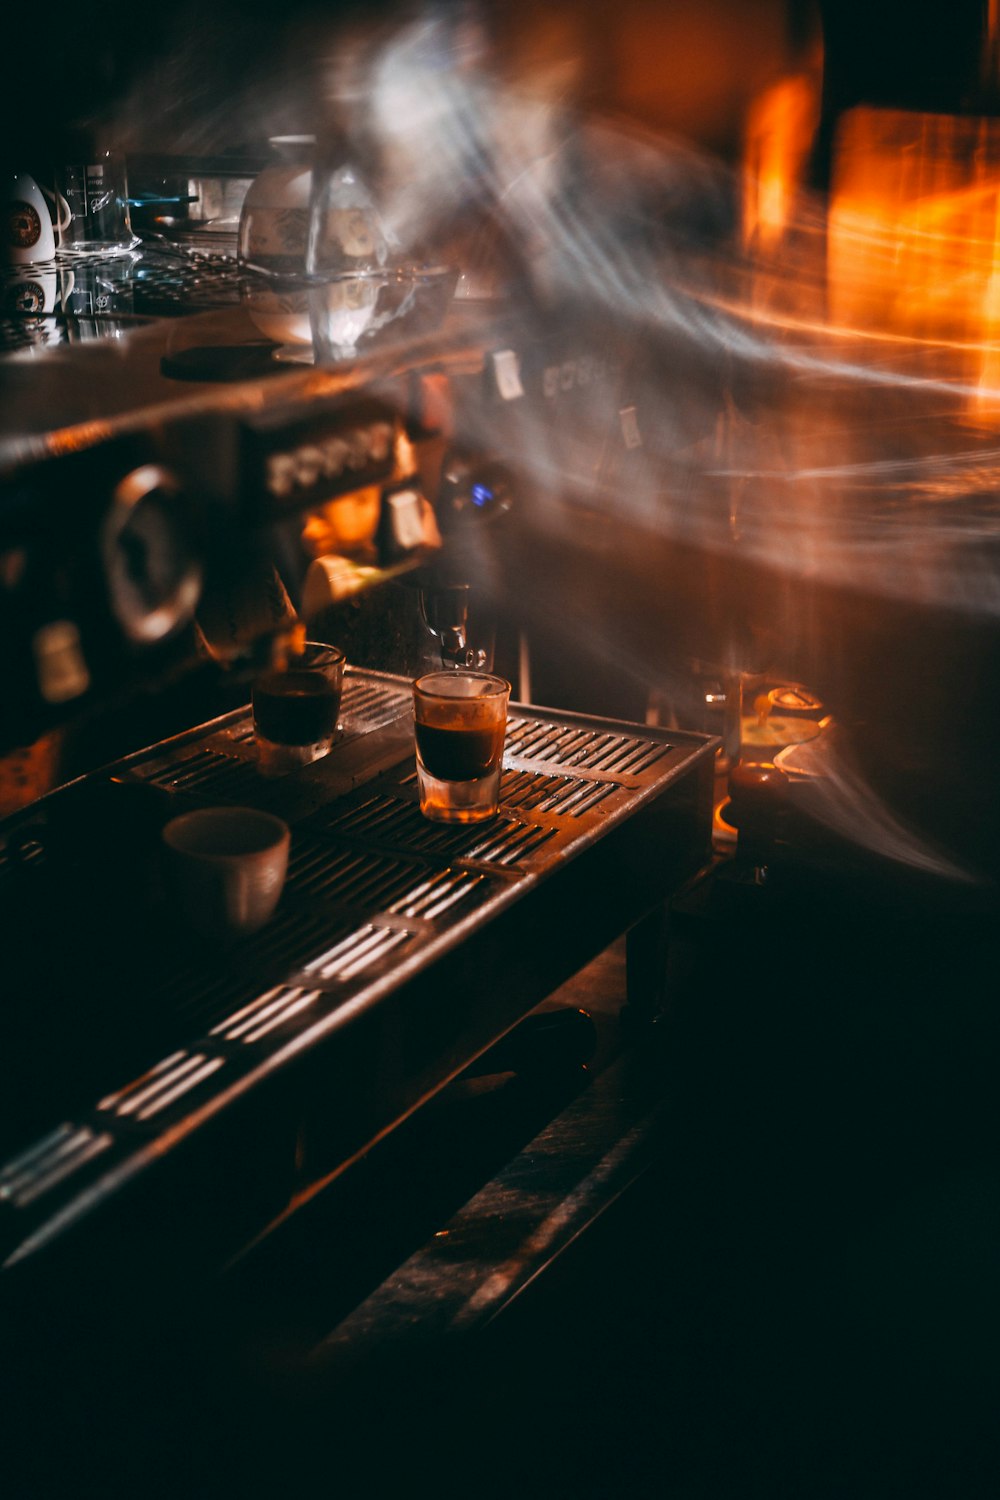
point(225, 868)
point(28, 233)
point(274, 229)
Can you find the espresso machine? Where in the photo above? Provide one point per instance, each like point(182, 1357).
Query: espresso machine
point(176, 504)
point(602, 474)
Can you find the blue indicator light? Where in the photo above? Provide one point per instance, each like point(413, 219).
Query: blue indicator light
point(481, 495)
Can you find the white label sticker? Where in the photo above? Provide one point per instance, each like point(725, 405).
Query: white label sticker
point(406, 520)
point(630, 427)
point(507, 370)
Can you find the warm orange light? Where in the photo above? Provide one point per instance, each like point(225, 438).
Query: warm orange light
point(913, 243)
point(346, 524)
point(405, 456)
point(76, 439)
point(780, 131)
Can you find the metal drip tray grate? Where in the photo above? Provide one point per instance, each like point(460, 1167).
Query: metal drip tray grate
point(202, 984)
point(369, 705)
point(44, 1165)
point(557, 794)
point(209, 773)
point(362, 878)
point(589, 749)
point(378, 900)
point(264, 1015)
point(386, 821)
point(169, 1080)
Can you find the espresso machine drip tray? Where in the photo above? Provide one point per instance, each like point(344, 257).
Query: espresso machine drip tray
point(188, 1095)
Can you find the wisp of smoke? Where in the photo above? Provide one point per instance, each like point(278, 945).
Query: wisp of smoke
point(827, 455)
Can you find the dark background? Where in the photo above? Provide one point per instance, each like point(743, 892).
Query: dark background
point(226, 76)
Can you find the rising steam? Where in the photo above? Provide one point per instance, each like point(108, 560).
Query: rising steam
point(812, 385)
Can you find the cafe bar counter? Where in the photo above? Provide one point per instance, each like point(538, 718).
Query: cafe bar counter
point(171, 1101)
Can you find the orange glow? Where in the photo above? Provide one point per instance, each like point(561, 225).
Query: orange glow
point(989, 376)
point(347, 524)
point(75, 439)
point(28, 773)
point(405, 456)
point(780, 131)
point(913, 241)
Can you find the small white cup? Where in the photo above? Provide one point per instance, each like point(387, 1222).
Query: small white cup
point(226, 867)
point(30, 236)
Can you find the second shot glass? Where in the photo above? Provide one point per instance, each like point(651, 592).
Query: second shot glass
point(460, 718)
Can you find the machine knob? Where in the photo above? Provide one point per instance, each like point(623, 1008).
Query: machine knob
point(154, 580)
point(474, 494)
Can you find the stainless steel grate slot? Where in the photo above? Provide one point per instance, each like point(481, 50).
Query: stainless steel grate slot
point(559, 794)
point(233, 781)
point(187, 990)
point(576, 748)
point(511, 843)
point(631, 756)
point(440, 839)
point(536, 738)
point(437, 894)
point(359, 950)
point(304, 859)
point(189, 765)
point(281, 949)
point(371, 703)
point(175, 1076)
point(348, 875)
point(287, 943)
point(274, 1008)
point(579, 798)
point(592, 749)
point(222, 775)
point(655, 751)
point(48, 1162)
point(373, 816)
point(502, 839)
point(524, 789)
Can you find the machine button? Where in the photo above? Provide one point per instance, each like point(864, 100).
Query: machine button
point(380, 441)
point(280, 475)
point(308, 465)
point(334, 452)
point(359, 448)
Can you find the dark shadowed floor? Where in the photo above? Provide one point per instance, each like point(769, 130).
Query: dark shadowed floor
point(797, 1297)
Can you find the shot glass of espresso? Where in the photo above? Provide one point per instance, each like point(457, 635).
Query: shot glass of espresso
point(459, 722)
point(295, 709)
